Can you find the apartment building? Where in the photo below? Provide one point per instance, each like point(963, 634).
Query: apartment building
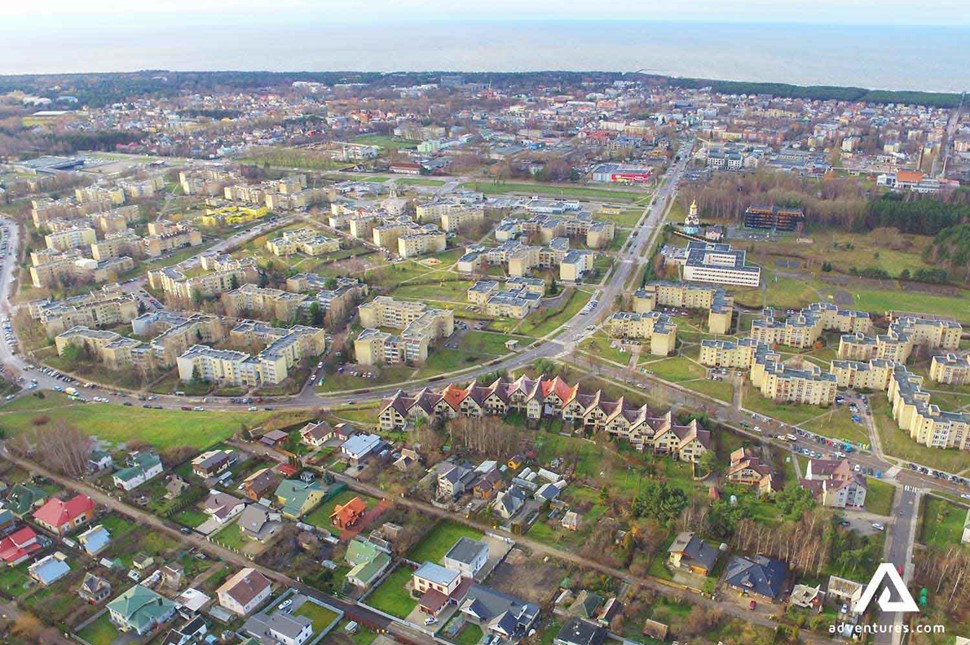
point(716, 263)
point(116, 244)
point(273, 303)
point(427, 239)
point(164, 236)
point(174, 282)
point(519, 259)
point(652, 325)
point(718, 303)
point(543, 398)
point(925, 422)
point(100, 195)
point(806, 385)
point(232, 215)
point(114, 350)
point(904, 335)
point(306, 241)
point(71, 265)
point(950, 369)
point(742, 354)
point(804, 328)
point(71, 238)
point(108, 306)
point(596, 234)
point(519, 298)
point(420, 325)
point(205, 181)
point(871, 375)
point(451, 214)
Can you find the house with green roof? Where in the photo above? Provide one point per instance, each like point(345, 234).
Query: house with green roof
point(140, 610)
point(143, 466)
point(297, 498)
point(24, 498)
point(367, 562)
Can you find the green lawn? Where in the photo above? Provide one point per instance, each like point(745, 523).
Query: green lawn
point(785, 412)
point(190, 517)
point(439, 540)
point(13, 580)
point(717, 389)
point(942, 523)
point(320, 516)
point(231, 537)
point(320, 615)
point(879, 496)
point(419, 181)
point(392, 597)
point(114, 423)
point(897, 443)
point(444, 290)
point(599, 346)
point(384, 141)
point(837, 424)
point(470, 634)
point(676, 369)
point(100, 632)
point(546, 321)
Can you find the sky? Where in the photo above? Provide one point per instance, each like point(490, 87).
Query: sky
point(39, 14)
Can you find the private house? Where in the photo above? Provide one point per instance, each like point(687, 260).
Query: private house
point(360, 448)
point(408, 459)
point(193, 631)
point(571, 521)
point(498, 613)
point(99, 460)
point(62, 518)
point(454, 480)
point(367, 562)
point(435, 585)
point(19, 545)
point(259, 523)
point(273, 438)
point(297, 498)
point(7, 521)
point(806, 597)
point(94, 540)
point(693, 554)
point(244, 591)
point(315, 434)
point(49, 569)
point(508, 502)
point(466, 556)
point(140, 610)
point(213, 463)
point(23, 498)
point(835, 484)
point(577, 631)
point(761, 577)
point(347, 515)
point(94, 589)
point(843, 591)
point(258, 485)
point(222, 507)
point(748, 470)
point(279, 628)
point(143, 466)
point(175, 486)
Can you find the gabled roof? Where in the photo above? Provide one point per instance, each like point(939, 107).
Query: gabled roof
point(57, 513)
point(345, 513)
point(759, 575)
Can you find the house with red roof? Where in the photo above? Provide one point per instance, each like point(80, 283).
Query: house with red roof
point(18, 546)
point(62, 517)
point(347, 515)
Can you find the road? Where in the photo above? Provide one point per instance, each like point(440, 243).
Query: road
point(899, 552)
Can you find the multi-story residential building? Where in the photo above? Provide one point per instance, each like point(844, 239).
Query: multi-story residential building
point(422, 241)
point(596, 234)
point(718, 303)
point(718, 264)
point(232, 215)
point(451, 214)
point(70, 265)
point(165, 236)
point(652, 325)
point(904, 334)
point(835, 484)
point(950, 369)
point(542, 398)
point(872, 375)
point(421, 326)
point(732, 354)
point(804, 328)
point(71, 238)
point(519, 298)
point(773, 217)
point(116, 244)
point(174, 282)
point(274, 303)
point(925, 422)
point(521, 259)
point(305, 240)
point(108, 306)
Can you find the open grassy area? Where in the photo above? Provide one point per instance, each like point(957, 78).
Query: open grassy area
point(101, 631)
point(720, 390)
point(419, 181)
point(787, 413)
point(442, 291)
point(837, 423)
point(442, 537)
point(162, 428)
point(546, 321)
point(320, 615)
point(942, 523)
point(896, 443)
point(879, 496)
point(14, 580)
point(384, 141)
point(599, 345)
point(555, 190)
point(675, 369)
point(470, 634)
point(392, 597)
point(231, 537)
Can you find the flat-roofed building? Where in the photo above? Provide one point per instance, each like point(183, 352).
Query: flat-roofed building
point(173, 281)
point(651, 325)
point(719, 264)
point(871, 375)
point(950, 369)
point(718, 303)
point(274, 303)
point(71, 238)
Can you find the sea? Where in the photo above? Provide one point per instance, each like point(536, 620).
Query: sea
point(884, 57)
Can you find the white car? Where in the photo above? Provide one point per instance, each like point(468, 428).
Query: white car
point(286, 603)
point(430, 621)
point(878, 526)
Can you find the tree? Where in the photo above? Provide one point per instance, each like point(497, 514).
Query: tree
point(196, 297)
point(793, 500)
point(709, 463)
point(545, 366)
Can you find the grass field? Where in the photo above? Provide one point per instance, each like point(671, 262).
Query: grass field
point(787, 413)
point(384, 141)
point(436, 543)
point(718, 389)
point(418, 181)
point(879, 496)
point(942, 523)
point(676, 369)
point(599, 345)
point(162, 428)
point(101, 631)
point(320, 615)
point(546, 321)
point(231, 537)
point(896, 443)
point(555, 190)
point(837, 424)
point(392, 597)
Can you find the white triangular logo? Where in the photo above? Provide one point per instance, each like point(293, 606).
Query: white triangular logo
point(904, 604)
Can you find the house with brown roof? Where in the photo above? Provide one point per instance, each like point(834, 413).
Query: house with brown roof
point(748, 470)
point(835, 484)
point(245, 591)
point(317, 433)
point(260, 484)
point(347, 515)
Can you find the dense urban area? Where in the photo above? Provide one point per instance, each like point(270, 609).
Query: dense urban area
point(551, 358)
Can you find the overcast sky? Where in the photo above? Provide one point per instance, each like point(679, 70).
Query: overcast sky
point(878, 12)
